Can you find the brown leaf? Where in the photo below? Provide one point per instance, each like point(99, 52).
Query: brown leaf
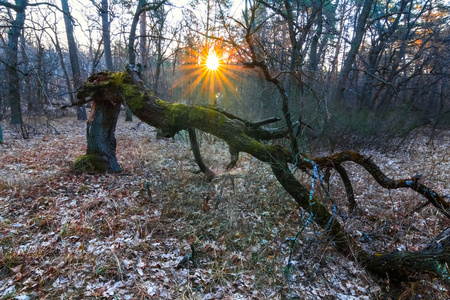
point(18, 277)
point(17, 269)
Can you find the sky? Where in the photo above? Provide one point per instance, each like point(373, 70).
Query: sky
point(82, 8)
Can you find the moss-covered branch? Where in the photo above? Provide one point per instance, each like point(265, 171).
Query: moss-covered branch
point(171, 118)
point(413, 183)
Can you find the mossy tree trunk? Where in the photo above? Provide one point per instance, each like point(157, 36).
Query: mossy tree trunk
point(101, 141)
point(243, 136)
point(100, 132)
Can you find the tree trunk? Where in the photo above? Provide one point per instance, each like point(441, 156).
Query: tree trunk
point(41, 81)
point(128, 114)
point(160, 16)
point(106, 36)
point(338, 43)
point(63, 66)
point(100, 155)
point(354, 48)
point(314, 55)
point(143, 40)
point(12, 62)
point(76, 71)
point(112, 88)
point(32, 102)
point(159, 64)
point(132, 38)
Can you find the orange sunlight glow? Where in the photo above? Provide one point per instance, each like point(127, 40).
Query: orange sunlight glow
point(212, 62)
point(206, 75)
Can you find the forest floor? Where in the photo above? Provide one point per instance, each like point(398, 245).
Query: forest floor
point(122, 236)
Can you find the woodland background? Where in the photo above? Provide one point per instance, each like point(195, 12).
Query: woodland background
point(360, 75)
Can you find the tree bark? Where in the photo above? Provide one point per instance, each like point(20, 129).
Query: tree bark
point(354, 48)
point(197, 155)
point(63, 65)
point(76, 71)
point(100, 132)
point(106, 35)
point(143, 40)
point(170, 118)
point(314, 55)
point(12, 61)
point(101, 141)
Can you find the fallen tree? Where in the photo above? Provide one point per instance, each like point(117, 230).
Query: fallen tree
point(108, 90)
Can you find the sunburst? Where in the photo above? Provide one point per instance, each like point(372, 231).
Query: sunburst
point(212, 62)
point(208, 74)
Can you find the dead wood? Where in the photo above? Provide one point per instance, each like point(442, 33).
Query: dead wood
point(171, 118)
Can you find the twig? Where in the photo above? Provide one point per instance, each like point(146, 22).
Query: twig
point(78, 103)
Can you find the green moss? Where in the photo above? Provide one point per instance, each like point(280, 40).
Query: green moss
point(133, 97)
point(176, 112)
point(199, 113)
point(281, 151)
point(193, 114)
point(91, 163)
point(118, 78)
point(254, 146)
point(162, 103)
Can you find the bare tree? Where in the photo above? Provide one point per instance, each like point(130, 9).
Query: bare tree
point(142, 7)
point(162, 40)
point(106, 35)
point(12, 70)
point(73, 54)
point(386, 25)
point(354, 48)
point(54, 38)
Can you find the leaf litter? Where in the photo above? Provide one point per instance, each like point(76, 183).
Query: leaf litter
point(122, 236)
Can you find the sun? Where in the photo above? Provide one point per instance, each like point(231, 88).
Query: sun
point(212, 62)
point(208, 76)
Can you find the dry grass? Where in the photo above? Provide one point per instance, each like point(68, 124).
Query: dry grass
point(121, 236)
